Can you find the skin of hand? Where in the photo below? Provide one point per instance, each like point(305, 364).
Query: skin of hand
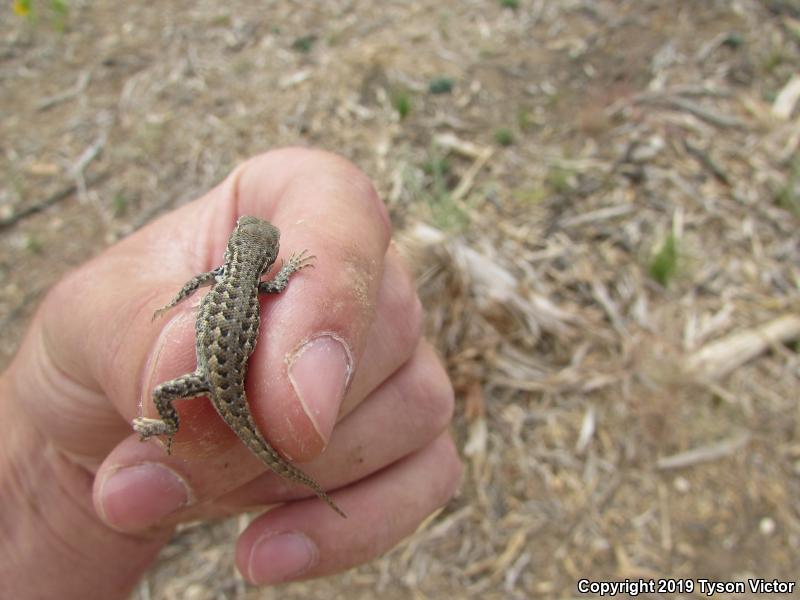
point(340, 366)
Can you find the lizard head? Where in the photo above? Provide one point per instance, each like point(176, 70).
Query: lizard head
point(252, 233)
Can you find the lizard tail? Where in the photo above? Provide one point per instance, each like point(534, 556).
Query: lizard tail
point(270, 457)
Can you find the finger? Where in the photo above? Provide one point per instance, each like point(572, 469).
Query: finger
point(394, 335)
point(304, 540)
point(405, 414)
point(139, 485)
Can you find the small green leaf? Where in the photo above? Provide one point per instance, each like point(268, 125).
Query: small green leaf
point(733, 40)
point(504, 137)
point(559, 180)
point(60, 14)
point(34, 244)
point(664, 264)
point(402, 104)
point(304, 43)
point(440, 85)
point(437, 166)
point(119, 204)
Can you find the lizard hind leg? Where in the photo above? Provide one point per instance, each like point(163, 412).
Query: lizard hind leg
point(190, 385)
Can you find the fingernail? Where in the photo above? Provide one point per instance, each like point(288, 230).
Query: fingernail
point(276, 557)
point(320, 371)
point(137, 497)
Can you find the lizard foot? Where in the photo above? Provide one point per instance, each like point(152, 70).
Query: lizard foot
point(147, 428)
point(301, 261)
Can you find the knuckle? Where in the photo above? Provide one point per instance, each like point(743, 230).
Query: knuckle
point(436, 399)
point(451, 469)
point(350, 180)
point(342, 177)
point(442, 402)
point(408, 325)
point(404, 307)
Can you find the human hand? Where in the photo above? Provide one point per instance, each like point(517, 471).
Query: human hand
point(342, 339)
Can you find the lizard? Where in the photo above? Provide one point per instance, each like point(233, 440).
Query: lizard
point(227, 329)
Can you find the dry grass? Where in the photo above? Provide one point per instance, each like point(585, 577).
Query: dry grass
point(608, 198)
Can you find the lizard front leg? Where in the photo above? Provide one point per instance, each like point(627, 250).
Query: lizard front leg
point(189, 288)
point(278, 283)
point(185, 386)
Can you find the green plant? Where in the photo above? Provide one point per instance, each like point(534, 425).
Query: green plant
point(774, 59)
point(526, 120)
point(530, 195)
point(440, 85)
point(788, 196)
point(34, 244)
point(119, 204)
point(304, 43)
point(559, 179)
point(446, 212)
point(60, 13)
point(58, 9)
point(401, 101)
point(504, 136)
point(664, 264)
point(734, 40)
point(22, 8)
point(512, 4)
point(437, 167)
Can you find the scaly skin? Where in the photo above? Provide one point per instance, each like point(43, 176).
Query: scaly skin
point(227, 330)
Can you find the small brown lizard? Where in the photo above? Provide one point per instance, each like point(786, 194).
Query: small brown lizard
point(227, 330)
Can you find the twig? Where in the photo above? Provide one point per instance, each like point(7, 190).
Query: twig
point(706, 161)
point(462, 147)
point(87, 156)
point(689, 91)
point(468, 179)
point(697, 110)
point(601, 214)
point(60, 195)
point(68, 94)
point(600, 293)
point(704, 453)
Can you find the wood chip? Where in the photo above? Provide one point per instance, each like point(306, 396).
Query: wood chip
point(719, 358)
point(787, 98)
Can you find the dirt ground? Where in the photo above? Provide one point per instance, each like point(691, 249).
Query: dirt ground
point(601, 200)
